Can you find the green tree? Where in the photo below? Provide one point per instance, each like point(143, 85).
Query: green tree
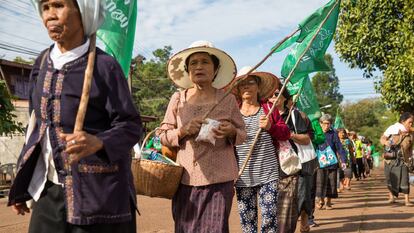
point(377, 35)
point(24, 61)
point(368, 117)
point(151, 87)
point(326, 86)
point(7, 124)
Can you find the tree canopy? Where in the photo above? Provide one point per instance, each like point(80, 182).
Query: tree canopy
point(368, 117)
point(151, 87)
point(377, 35)
point(326, 85)
point(7, 123)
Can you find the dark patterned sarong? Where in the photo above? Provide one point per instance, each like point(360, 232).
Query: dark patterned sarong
point(203, 208)
point(396, 176)
point(288, 204)
point(305, 185)
point(326, 182)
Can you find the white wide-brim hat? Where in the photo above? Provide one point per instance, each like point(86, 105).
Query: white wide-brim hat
point(178, 74)
point(267, 86)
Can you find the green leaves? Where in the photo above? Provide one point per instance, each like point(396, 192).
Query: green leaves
point(377, 35)
point(368, 117)
point(326, 85)
point(7, 124)
point(151, 88)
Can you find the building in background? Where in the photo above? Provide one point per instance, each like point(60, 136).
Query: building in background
point(16, 75)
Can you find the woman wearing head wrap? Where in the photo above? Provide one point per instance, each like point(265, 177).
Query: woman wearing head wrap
point(96, 194)
point(260, 178)
point(204, 198)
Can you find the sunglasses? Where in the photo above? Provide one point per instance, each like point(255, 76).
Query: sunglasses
point(276, 93)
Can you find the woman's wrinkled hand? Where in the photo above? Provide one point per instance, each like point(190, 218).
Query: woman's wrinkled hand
point(264, 122)
point(226, 129)
point(80, 145)
point(191, 128)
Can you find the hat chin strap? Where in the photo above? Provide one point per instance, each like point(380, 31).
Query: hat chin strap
point(216, 72)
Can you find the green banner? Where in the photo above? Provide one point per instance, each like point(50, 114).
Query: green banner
point(338, 121)
point(118, 30)
point(317, 32)
point(307, 102)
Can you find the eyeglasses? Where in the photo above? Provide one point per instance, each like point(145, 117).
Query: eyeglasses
point(247, 82)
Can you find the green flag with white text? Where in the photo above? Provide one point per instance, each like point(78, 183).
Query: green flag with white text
point(316, 34)
point(307, 102)
point(118, 30)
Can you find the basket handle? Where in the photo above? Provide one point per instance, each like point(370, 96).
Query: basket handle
point(147, 137)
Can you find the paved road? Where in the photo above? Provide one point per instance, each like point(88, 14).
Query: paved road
point(362, 209)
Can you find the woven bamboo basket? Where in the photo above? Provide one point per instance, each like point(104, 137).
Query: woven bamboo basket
point(156, 179)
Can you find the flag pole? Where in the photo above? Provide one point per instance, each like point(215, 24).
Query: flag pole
point(250, 71)
point(247, 74)
point(284, 87)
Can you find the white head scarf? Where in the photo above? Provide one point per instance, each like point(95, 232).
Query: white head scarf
point(92, 13)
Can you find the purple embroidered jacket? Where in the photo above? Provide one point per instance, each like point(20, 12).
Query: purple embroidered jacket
point(100, 188)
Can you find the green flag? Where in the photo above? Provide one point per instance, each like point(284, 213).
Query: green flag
point(307, 26)
point(291, 40)
point(118, 31)
point(317, 31)
point(308, 102)
point(338, 121)
point(313, 21)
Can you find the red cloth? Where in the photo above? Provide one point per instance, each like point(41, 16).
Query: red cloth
point(278, 129)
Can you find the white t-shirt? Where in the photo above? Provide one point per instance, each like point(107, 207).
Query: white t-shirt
point(395, 129)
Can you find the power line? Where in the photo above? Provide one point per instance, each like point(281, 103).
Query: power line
point(19, 20)
point(23, 38)
point(19, 49)
point(17, 12)
point(25, 2)
point(17, 46)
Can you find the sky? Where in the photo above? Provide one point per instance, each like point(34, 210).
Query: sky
point(245, 29)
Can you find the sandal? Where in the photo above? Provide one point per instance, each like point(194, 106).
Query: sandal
point(319, 205)
point(304, 229)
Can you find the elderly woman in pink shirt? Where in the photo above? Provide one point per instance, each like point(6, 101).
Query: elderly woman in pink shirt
point(204, 198)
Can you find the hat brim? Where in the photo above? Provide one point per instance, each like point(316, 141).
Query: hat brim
point(177, 73)
point(267, 87)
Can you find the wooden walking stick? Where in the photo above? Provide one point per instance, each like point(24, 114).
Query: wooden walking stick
point(87, 82)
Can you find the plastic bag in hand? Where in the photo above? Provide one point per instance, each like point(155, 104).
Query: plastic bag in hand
point(206, 132)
